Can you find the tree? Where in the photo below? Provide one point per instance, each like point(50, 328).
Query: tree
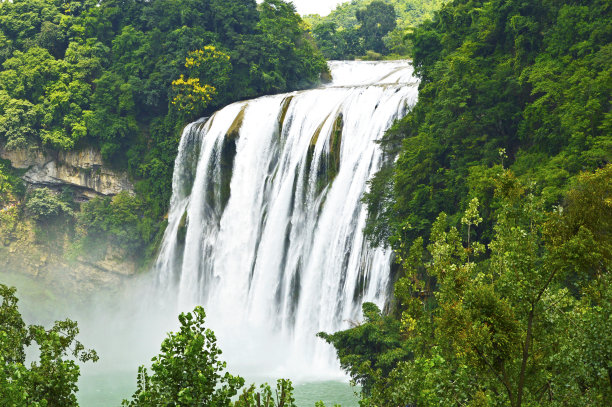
point(331, 44)
point(291, 57)
point(44, 205)
point(52, 379)
point(209, 71)
point(188, 372)
point(377, 20)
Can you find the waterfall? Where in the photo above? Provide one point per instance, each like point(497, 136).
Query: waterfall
point(265, 222)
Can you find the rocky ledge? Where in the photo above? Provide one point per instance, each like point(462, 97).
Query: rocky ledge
point(82, 169)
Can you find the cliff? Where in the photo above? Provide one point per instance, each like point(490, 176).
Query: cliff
point(83, 170)
point(44, 256)
point(42, 253)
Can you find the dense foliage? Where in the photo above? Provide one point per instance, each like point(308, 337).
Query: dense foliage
point(43, 205)
point(118, 221)
point(526, 84)
point(11, 186)
point(377, 26)
point(50, 380)
point(496, 199)
point(127, 76)
point(524, 320)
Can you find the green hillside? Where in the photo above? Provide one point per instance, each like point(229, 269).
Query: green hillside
point(338, 34)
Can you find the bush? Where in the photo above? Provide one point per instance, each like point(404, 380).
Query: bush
point(43, 205)
point(118, 220)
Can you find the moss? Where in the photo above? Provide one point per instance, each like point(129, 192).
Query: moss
point(310, 154)
point(329, 165)
point(228, 154)
point(326, 77)
point(226, 164)
point(335, 147)
point(283, 114)
point(234, 130)
point(317, 133)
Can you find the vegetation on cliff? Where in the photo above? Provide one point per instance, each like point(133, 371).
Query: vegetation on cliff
point(526, 84)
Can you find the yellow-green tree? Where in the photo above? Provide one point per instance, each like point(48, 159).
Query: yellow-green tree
point(208, 73)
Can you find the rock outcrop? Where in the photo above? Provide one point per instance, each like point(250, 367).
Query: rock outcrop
point(82, 169)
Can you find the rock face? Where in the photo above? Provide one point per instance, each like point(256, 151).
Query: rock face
point(81, 169)
point(43, 258)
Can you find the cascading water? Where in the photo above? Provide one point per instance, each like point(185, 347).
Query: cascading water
point(265, 226)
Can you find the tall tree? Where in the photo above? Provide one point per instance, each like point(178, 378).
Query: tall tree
point(377, 20)
point(51, 379)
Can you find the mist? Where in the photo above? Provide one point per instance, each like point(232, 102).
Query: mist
point(125, 323)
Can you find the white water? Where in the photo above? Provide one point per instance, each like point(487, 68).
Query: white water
point(284, 257)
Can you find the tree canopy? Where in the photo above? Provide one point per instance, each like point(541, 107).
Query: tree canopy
point(379, 26)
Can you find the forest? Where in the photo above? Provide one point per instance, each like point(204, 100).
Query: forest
point(369, 29)
point(495, 196)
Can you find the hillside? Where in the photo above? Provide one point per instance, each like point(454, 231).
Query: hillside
point(340, 35)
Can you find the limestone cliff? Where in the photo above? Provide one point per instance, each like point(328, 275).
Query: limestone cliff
point(44, 258)
point(82, 169)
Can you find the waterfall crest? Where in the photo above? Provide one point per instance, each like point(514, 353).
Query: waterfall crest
point(265, 225)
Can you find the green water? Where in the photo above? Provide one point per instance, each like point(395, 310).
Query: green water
point(108, 389)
